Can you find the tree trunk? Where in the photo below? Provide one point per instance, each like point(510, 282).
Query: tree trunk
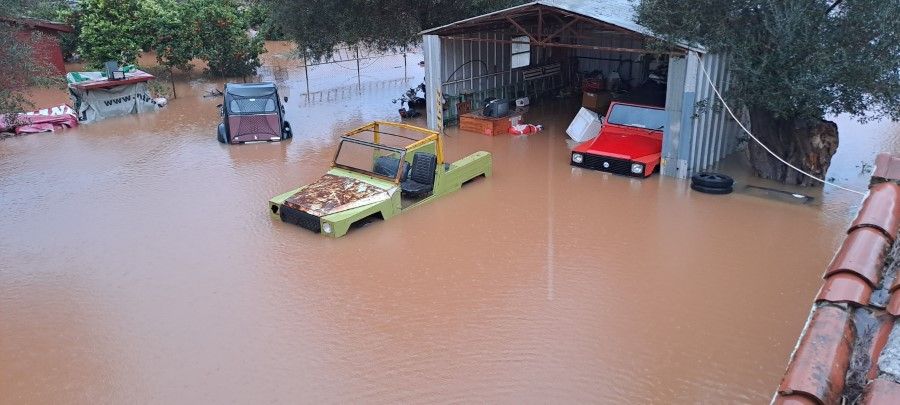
point(808, 145)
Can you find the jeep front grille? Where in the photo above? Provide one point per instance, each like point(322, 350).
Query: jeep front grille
point(301, 218)
point(607, 164)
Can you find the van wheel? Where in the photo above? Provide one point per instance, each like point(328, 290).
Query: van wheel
point(286, 132)
point(222, 137)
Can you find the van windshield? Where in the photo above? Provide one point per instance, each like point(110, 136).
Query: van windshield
point(636, 116)
point(263, 105)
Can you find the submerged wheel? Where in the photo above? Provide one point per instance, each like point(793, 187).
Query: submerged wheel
point(712, 190)
point(222, 137)
point(712, 180)
point(286, 132)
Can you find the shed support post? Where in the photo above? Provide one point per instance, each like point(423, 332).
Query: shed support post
point(431, 45)
point(676, 149)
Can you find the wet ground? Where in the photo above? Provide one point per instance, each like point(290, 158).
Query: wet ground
point(140, 264)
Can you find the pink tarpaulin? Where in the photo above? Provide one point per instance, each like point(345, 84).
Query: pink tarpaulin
point(43, 120)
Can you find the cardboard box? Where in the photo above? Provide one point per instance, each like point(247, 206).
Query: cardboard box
point(484, 125)
point(597, 102)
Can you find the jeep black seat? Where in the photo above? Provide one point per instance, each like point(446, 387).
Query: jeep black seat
point(387, 166)
point(421, 177)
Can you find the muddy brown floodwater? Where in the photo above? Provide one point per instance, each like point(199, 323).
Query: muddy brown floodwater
point(140, 265)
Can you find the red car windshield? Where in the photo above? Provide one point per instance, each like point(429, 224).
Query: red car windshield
point(636, 116)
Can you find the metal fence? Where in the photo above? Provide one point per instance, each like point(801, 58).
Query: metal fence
point(329, 76)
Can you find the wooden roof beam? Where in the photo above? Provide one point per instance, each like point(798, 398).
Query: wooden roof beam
point(522, 29)
point(572, 46)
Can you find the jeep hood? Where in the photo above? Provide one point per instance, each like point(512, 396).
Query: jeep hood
point(628, 146)
point(331, 194)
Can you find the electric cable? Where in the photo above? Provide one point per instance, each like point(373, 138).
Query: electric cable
point(727, 108)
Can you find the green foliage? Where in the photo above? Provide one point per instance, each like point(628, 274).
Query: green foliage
point(46, 9)
point(173, 40)
point(318, 26)
point(178, 30)
point(259, 17)
point(221, 31)
point(798, 60)
point(112, 30)
point(20, 69)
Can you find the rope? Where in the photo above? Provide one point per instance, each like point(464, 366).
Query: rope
point(727, 108)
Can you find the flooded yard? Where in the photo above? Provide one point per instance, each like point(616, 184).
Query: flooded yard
point(140, 265)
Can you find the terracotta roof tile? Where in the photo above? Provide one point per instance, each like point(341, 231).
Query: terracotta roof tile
point(887, 167)
point(862, 253)
point(880, 210)
point(794, 400)
point(886, 323)
point(852, 353)
point(818, 366)
point(893, 306)
point(845, 287)
point(881, 392)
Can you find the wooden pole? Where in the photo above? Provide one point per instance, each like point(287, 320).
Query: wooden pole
point(172, 80)
point(358, 74)
point(306, 74)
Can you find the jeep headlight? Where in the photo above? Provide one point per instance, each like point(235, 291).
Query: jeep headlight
point(637, 168)
point(326, 227)
point(577, 158)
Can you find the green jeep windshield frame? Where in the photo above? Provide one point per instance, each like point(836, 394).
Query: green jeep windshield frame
point(375, 150)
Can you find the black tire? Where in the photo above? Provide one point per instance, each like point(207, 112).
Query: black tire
point(711, 190)
point(223, 138)
point(712, 180)
point(286, 132)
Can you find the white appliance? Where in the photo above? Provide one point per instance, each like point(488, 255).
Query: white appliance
point(585, 126)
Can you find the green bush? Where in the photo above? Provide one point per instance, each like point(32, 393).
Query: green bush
point(221, 32)
point(111, 30)
point(179, 31)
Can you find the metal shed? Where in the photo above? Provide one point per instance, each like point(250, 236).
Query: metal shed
point(566, 37)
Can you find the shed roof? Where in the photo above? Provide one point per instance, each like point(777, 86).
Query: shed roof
point(35, 23)
point(619, 13)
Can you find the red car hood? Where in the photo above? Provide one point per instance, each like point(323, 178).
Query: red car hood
point(623, 144)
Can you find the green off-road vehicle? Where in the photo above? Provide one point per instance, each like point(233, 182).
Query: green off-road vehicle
point(380, 170)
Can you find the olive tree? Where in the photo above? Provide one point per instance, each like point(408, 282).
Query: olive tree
point(794, 62)
point(318, 26)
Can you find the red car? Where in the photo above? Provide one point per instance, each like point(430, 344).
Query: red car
point(629, 144)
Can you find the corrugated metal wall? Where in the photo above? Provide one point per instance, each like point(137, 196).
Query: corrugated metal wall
point(714, 132)
point(472, 66)
point(700, 133)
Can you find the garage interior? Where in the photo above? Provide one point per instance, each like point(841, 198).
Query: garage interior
point(557, 51)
